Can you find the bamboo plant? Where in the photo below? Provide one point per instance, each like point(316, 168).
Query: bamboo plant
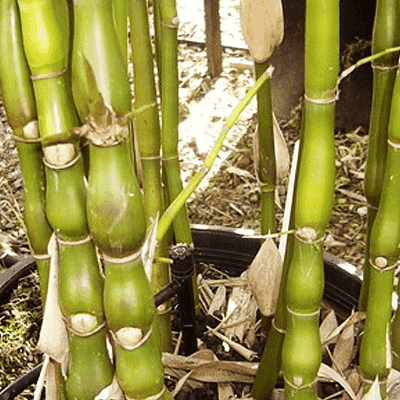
point(375, 353)
point(19, 102)
point(296, 328)
point(385, 35)
point(262, 25)
point(80, 298)
point(148, 138)
point(115, 206)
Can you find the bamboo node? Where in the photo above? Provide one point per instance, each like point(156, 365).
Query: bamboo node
point(394, 145)
point(25, 140)
point(298, 382)
point(70, 243)
point(328, 100)
point(41, 256)
point(304, 315)
point(60, 156)
point(163, 309)
point(384, 67)
point(82, 324)
point(381, 264)
point(123, 260)
point(31, 130)
point(110, 133)
point(130, 338)
point(307, 235)
point(154, 397)
point(280, 330)
point(49, 75)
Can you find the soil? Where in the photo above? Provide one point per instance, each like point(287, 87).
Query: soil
point(229, 197)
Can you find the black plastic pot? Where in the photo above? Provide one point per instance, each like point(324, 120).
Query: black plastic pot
point(230, 251)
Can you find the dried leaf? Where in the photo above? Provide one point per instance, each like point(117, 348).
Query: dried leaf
point(264, 276)
point(262, 26)
point(328, 325)
point(282, 155)
point(375, 391)
point(111, 392)
point(225, 391)
point(278, 394)
point(240, 313)
point(218, 301)
point(326, 372)
point(354, 379)
point(354, 318)
point(53, 338)
point(393, 385)
point(343, 351)
point(211, 370)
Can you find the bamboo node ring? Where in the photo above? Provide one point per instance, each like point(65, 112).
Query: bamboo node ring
point(162, 309)
point(175, 157)
point(134, 345)
point(384, 67)
point(49, 75)
point(123, 260)
point(150, 158)
point(394, 145)
point(280, 330)
point(328, 100)
point(381, 264)
point(41, 256)
point(298, 382)
point(71, 243)
point(26, 140)
point(307, 235)
point(82, 334)
point(297, 314)
point(64, 166)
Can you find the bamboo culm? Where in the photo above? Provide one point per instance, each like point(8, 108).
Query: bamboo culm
point(116, 214)
point(385, 35)
point(301, 353)
point(149, 142)
point(48, 58)
point(375, 353)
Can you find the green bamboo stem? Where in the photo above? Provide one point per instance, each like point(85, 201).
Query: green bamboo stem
point(170, 115)
point(313, 200)
point(271, 362)
point(384, 252)
point(120, 15)
point(169, 215)
point(385, 35)
point(149, 142)
point(116, 213)
point(48, 58)
point(266, 149)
